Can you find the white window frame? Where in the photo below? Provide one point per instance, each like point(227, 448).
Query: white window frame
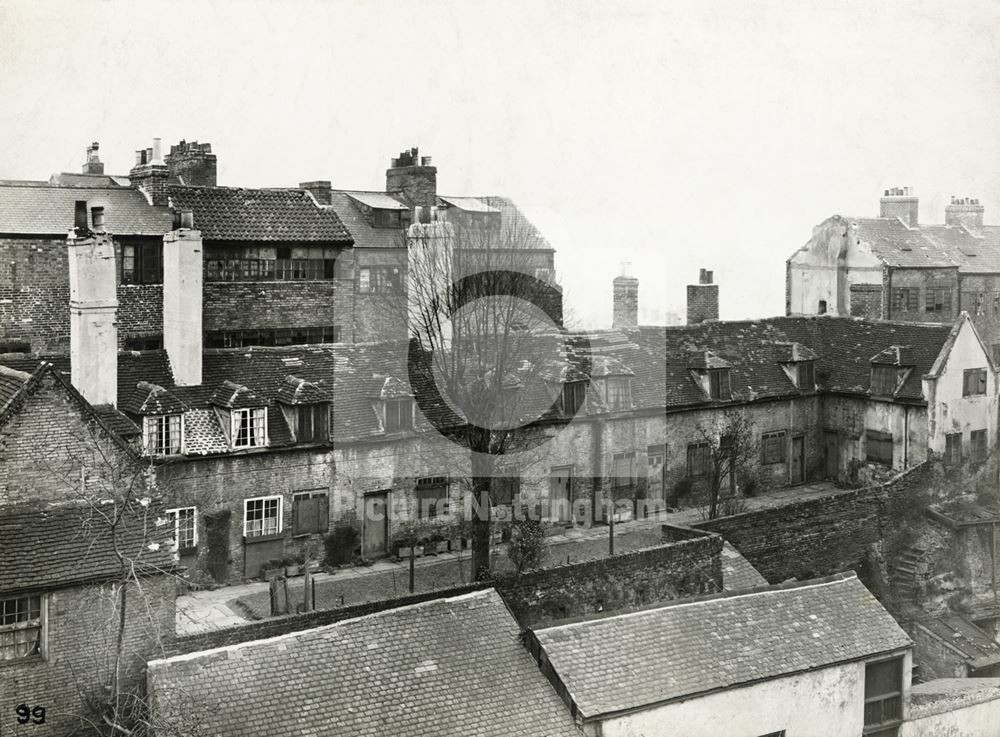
point(264, 499)
point(148, 434)
point(173, 516)
point(625, 382)
point(43, 625)
point(235, 422)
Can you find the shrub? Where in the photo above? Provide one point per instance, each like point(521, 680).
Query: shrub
point(527, 544)
point(683, 489)
point(340, 545)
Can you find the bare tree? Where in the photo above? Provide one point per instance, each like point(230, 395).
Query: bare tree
point(731, 454)
point(484, 320)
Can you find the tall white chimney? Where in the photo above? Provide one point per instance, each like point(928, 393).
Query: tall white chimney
point(182, 300)
point(93, 304)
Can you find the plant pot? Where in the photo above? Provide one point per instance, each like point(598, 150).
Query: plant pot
point(314, 566)
point(403, 552)
point(293, 570)
point(441, 546)
point(418, 551)
point(272, 573)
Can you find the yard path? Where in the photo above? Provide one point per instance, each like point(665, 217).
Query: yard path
point(232, 606)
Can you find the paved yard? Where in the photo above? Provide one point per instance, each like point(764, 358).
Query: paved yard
point(232, 606)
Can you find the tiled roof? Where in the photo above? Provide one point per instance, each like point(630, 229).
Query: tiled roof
point(62, 545)
point(11, 382)
point(118, 422)
point(236, 214)
point(235, 396)
point(50, 210)
point(361, 230)
point(930, 245)
point(203, 434)
point(151, 399)
point(647, 657)
point(299, 391)
point(445, 667)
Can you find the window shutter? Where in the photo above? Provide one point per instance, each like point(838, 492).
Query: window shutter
point(323, 505)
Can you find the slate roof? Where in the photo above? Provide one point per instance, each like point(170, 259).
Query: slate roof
point(118, 422)
point(299, 391)
point(469, 204)
point(930, 245)
point(973, 644)
point(49, 210)
point(235, 396)
point(377, 200)
point(11, 382)
point(445, 667)
point(62, 545)
point(151, 399)
point(643, 658)
point(239, 214)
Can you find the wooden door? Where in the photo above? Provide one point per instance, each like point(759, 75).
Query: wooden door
point(561, 494)
point(375, 538)
point(831, 450)
point(655, 472)
point(798, 460)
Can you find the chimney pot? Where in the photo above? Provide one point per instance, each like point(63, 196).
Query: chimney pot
point(156, 158)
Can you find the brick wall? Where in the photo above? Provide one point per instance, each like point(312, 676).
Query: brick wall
point(866, 301)
point(673, 570)
point(79, 644)
point(818, 537)
point(934, 658)
point(34, 293)
point(922, 280)
point(702, 303)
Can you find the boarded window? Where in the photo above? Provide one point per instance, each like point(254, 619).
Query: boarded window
point(772, 447)
point(310, 513)
point(807, 376)
point(885, 379)
point(938, 301)
point(697, 459)
point(978, 450)
point(878, 447)
point(953, 449)
point(973, 382)
point(719, 384)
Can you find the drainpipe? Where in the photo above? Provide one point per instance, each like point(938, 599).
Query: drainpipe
point(888, 296)
point(906, 436)
point(597, 455)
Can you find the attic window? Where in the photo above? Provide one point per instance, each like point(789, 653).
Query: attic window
point(312, 423)
point(719, 384)
point(574, 394)
point(885, 380)
point(806, 372)
point(162, 435)
point(388, 218)
point(398, 414)
point(618, 392)
point(249, 427)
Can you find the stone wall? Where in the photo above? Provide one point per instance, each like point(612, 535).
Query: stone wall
point(78, 649)
point(818, 537)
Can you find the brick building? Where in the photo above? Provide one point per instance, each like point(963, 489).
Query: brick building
point(280, 266)
point(895, 268)
point(60, 571)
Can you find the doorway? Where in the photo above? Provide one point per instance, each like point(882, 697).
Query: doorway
point(375, 538)
point(798, 468)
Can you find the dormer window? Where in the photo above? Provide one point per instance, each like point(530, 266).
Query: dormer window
point(574, 394)
point(387, 218)
point(885, 380)
point(249, 427)
point(618, 392)
point(719, 384)
point(312, 423)
point(162, 435)
point(398, 414)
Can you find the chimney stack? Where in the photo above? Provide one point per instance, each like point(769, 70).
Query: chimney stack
point(93, 164)
point(626, 300)
point(182, 300)
point(899, 202)
point(964, 211)
point(150, 174)
point(192, 163)
point(702, 299)
point(413, 178)
point(93, 304)
point(320, 189)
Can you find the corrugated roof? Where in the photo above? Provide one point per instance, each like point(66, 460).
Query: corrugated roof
point(446, 667)
point(647, 657)
point(50, 210)
point(238, 214)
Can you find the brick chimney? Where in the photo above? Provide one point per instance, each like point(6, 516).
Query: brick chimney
point(193, 163)
point(964, 211)
point(150, 174)
point(93, 164)
point(182, 300)
point(321, 189)
point(412, 177)
point(702, 299)
point(899, 202)
point(93, 306)
point(626, 300)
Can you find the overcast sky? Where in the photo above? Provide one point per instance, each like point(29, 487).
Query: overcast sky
point(671, 135)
